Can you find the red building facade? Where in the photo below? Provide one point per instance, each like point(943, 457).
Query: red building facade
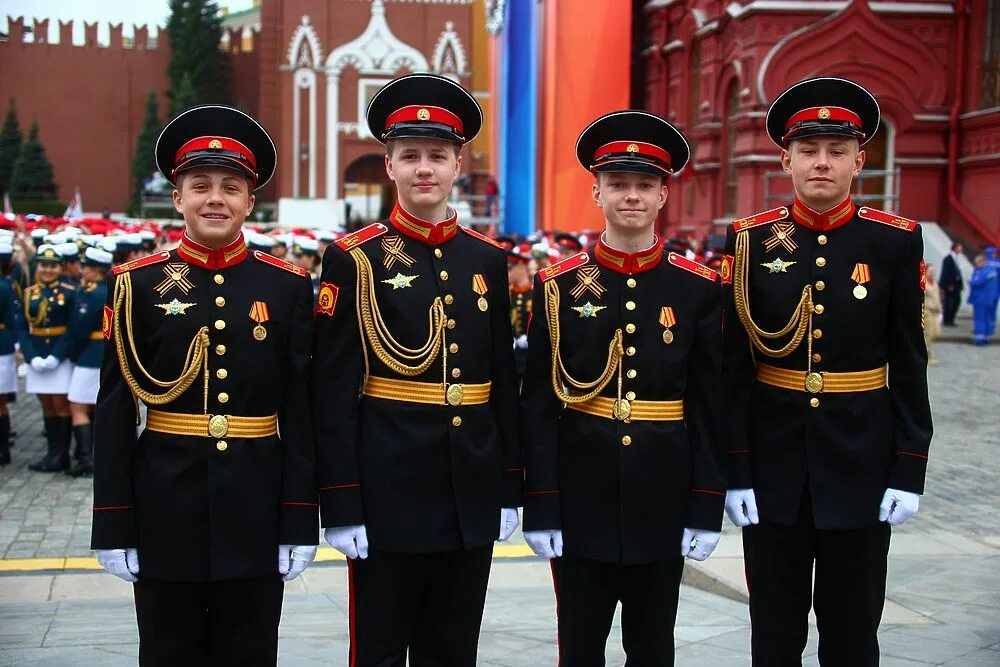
point(712, 67)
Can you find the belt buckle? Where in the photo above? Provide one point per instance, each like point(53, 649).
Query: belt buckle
point(814, 383)
point(455, 394)
point(622, 410)
point(218, 426)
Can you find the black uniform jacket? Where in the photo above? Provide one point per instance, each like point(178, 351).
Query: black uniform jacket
point(866, 270)
point(422, 477)
point(201, 508)
point(623, 492)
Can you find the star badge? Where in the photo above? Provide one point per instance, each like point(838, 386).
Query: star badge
point(588, 309)
point(399, 281)
point(777, 266)
point(175, 307)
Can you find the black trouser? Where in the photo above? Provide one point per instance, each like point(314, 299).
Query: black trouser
point(587, 593)
point(951, 302)
point(848, 594)
point(430, 605)
point(232, 622)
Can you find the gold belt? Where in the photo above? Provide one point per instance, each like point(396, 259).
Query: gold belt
point(214, 426)
point(47, 331)
point(96, 335)
point(654, 411)
point(427, 392)
point(815, 383)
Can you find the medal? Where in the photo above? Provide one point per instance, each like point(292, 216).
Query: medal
point(860, 292)
point(667, 319)
point(480, 287)
point(259, 332)
point(483, 305)
point(861, 275)
point(668, 336)
point(259, 314)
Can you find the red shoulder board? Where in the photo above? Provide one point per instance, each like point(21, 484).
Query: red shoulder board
point(694, 267)
point(568, 264)
point(760, 219)
point(280, 263)
point(890, 219)
point(370, 232)
point(481, 237)
point(142, 261)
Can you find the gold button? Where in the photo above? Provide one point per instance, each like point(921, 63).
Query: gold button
point(451, 324)
point(220, 350)
point(220, 324)
point(630, 305)
point(455, 421)
point(449, 299)
point(220, 301)
point(223, 397)
point(821, 239)
point(819, 308)
point(630, 351)
point(219, 279)
point(630, 282)
point(626, 440)
point(438, 254)
point(456, 372)
point(630, 395)
point(821, 262)
point(444, 275)
point(629, 328)
point(817, 357)
point(820, 285)
point(222, 445)
point(632, 373)
point(222, 373)
point(453, 348)
point(814, 402)
point(817, 333)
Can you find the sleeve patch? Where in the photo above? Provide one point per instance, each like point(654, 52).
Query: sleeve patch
point(923, 276)
point(726, 269)
point(106, 319)
point(326, 300)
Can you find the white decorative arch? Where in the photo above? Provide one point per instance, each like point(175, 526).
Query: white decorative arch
point(304, 59)
point(449, 55)
point(304, 36)
point(377, 54)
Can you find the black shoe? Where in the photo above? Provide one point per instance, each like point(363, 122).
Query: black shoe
point(84, 465)
point(57, 432)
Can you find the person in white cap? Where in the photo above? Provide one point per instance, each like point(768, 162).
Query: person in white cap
point(8, 365)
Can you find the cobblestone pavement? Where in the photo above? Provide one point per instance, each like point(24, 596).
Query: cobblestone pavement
point(943, 601)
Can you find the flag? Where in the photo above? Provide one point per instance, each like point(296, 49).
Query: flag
point(8, 210)
point(75, 209)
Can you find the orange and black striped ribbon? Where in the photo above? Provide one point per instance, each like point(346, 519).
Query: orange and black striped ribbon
point(393, 248)
point(587, 277)
point(667, 317)
point(862, 274)
point(781, 234)
point(176, 276)
point(479, 285)
point(259, 312)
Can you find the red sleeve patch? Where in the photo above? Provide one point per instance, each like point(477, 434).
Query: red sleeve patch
point(923, 276)
point(726, 269)
point(106, 320)
point(326, 300)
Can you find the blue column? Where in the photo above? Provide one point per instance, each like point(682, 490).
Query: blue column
point(519, 129)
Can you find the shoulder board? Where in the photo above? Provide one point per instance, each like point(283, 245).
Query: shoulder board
point(890, 219)
point(279, 263)
point(144, 261)
point(370, 232)
point(773, 215)
point(568, 264)
point(682, 262)
point(481, 237)
point(70, 286)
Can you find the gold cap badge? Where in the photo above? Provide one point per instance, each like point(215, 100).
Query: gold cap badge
point(824, 113)
point(423, 114)
point(633, 148)
point(215, 143)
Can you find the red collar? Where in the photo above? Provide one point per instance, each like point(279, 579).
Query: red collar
point(421, 230)
point(821, 222)
point(195, 253)
point(622, 262)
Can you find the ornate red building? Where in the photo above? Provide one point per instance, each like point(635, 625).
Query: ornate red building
point(712, 67)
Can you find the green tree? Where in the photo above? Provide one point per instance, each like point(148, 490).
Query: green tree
point(198, 70)
point(32, 177)
point(10, 146)
point(144, 162)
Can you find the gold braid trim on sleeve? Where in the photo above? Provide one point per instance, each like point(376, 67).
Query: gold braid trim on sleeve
point(197, 357)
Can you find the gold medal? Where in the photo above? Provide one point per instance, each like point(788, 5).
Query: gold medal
point(668, 336)
point(860, 291)
point(482, 303)
point(259, 332)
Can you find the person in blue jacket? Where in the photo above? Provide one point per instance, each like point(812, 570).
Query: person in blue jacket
point(46, 309)
point(994, 261)
point(983, 292)
point(8, 365)
point(86, 334)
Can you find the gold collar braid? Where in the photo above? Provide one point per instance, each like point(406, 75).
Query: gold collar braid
point(197, 357)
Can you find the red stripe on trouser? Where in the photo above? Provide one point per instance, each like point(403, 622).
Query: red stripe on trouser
point(350, 606)
point(555, 589)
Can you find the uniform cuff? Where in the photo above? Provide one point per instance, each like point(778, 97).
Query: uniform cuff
point(340, 505)
point(740, 476)
point(542, 511)
point(908, 472)
point(512, 491)
point(705, 509)
point(298, 523)
point(114, 527)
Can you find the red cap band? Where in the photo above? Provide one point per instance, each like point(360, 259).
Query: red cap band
point(217, 143)
point(824, 113)
point(424, 114)
point(638, 148)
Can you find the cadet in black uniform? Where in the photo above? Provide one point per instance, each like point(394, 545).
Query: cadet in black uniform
point(826, 364)
point(621, 407)
point(215, 340)
point(416, 407)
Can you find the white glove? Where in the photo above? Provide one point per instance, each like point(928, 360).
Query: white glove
point(123, 563)
point(38, 365)
point(898, 506)
point(545, 543)
point(292, 560)
point(352, 541)
point(508, 523)
point(699, 544)
point(741, 506)
point(521, 341)
point(50, 363)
